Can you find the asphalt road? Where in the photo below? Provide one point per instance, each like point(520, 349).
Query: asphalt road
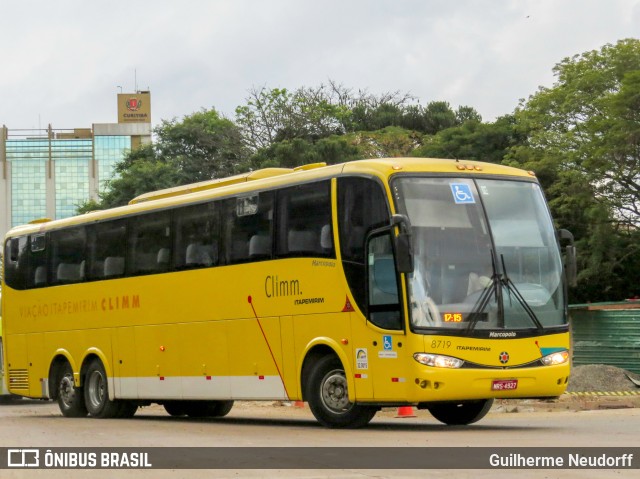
point(29, 424)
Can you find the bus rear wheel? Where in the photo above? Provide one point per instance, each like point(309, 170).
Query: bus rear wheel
point(328, 397)
point(175, 408)
point(461, 413)
point(70, 398)
point(96, 395)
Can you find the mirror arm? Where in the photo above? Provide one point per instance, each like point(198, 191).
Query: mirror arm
point(401, 221)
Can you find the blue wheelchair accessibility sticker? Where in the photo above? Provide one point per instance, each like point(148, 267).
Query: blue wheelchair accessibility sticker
point(462, 193)
point(387, 343)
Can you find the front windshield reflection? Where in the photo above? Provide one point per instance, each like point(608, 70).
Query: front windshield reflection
point(456, 262)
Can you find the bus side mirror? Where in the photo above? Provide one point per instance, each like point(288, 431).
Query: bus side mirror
point(570, 258)
point(402, 244)
point(404, 255)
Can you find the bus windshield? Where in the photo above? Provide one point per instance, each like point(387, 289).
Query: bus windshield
point(486, 255)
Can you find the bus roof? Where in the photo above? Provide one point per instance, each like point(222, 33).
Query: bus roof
point(272, 178)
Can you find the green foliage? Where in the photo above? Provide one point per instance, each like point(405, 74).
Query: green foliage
point(311, 114)
point(201, 146)
point(141, 177)
point(388, 142)
point(276, 115)
point(473, 140)
point(584, 143)
point(391, 141)
point(581, 136)
point(298, 152)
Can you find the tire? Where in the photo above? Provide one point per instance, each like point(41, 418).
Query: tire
point(207, 408)
point(328, 397)
point(128, 409)
point(462, 413)
point(96, 393)
point(175, 408)
point(220, 408)
point(70, 398)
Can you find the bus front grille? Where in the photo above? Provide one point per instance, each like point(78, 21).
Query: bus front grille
point(18, 379)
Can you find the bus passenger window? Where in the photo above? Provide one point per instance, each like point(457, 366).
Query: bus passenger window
point(197, 236)
point(304, 221)
point(249, 228)
point(16, 263)
point(106, 240)
point(39, 273)
point(151, 242)
point(67, 251)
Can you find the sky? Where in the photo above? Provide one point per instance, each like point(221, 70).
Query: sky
point(62, 62)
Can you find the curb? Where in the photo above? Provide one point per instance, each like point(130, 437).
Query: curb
point(603, 393)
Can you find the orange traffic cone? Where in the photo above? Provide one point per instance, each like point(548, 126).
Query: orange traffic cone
point(405, 411)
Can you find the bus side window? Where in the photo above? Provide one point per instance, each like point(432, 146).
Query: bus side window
point(39, 275)
point(197, 236)
point(304, 221)
point(67, 261)
point(249, 228)
point(150, 243)
point(107, 240)
point(16, 262)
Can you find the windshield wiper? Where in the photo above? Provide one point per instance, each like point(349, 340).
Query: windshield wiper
point(510, 285)
point(493, 288)
point(499, 281)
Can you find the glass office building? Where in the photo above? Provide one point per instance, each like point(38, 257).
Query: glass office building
point(109, 150)
point(49, 173)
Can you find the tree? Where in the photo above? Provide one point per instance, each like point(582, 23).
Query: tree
point(589, 121)
point(200, 147)
point(203, 146)
point(473, 140)
point(276, 115)
point(298, 152)
point(438, 116)
point(583, 140)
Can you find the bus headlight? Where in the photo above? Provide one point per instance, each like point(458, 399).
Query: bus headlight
point(438, 361)
point(559, 357)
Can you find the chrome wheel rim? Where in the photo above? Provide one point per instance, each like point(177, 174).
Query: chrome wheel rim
point(96, 389)
point(67, 390)
point(334, 393)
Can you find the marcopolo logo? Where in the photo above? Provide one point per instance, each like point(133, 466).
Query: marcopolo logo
point(502, 334)
point(504, 357)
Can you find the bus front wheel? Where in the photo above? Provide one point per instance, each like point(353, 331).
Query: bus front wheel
point(462, 413)
point(70, 398)
point(328, 397)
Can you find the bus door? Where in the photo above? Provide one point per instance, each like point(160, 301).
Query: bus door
point(389, 353)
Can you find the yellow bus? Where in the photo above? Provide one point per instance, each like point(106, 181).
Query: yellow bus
point(386, 282)
point(3, 387)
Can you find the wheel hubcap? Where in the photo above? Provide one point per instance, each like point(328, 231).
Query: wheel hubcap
point(96, 389)
point(66, 390)
point(334, 392)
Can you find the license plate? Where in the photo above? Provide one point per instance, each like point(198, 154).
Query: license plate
point(504, 385)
